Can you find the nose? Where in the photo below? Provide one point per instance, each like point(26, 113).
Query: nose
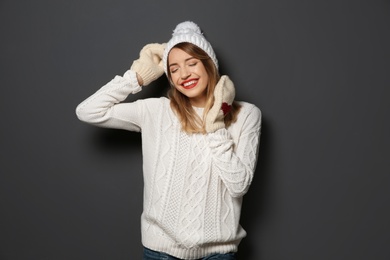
point(184, 73)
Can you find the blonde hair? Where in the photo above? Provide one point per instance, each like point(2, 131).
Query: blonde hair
point(180, 104)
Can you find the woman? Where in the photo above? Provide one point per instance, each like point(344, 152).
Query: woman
point(199, 147)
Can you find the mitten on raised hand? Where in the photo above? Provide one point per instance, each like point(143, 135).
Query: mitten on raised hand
point(149, 65)
point(224, 94)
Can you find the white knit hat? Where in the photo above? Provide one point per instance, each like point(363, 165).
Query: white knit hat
point(188, 32)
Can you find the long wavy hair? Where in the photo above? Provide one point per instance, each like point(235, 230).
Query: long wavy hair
point(181, 105)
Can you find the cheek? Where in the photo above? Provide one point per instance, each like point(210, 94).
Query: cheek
point(174, 78)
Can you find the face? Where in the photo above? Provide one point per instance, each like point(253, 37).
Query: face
point(188, 75)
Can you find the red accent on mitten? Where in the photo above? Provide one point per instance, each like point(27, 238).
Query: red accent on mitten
point(226, 108)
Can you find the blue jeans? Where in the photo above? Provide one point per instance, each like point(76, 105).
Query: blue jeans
point(154, 255)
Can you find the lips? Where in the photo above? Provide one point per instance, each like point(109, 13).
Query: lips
point(189, 84)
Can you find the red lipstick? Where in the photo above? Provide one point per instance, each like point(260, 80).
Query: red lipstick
point(190, 83)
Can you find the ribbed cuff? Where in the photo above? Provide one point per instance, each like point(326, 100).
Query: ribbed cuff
point(144, 72)
point(132, 77)
point(162, 244)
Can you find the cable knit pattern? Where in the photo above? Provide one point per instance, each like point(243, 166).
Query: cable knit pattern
point(193, 184)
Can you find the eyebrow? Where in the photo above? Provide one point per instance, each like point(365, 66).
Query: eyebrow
point(190, 58)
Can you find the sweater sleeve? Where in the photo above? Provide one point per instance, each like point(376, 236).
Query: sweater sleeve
point(104, 109)
point(236, 163)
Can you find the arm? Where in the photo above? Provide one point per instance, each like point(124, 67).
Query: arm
point(236, 163)
point(103, 108)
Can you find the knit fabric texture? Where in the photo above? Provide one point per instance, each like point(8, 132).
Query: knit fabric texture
point(188, 32)
point(224, 94)
point(193, 183)
point(149, 64)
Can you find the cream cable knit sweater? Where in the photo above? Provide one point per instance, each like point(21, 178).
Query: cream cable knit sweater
point(193, 184)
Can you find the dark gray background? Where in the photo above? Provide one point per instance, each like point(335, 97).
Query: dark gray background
point(318, 70)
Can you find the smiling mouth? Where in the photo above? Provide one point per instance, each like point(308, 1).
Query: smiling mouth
point(190, 84)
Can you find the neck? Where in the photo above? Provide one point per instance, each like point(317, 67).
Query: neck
point(198, 102)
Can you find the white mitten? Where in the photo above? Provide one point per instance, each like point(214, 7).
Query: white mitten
point(149, 65)
point(224, 94)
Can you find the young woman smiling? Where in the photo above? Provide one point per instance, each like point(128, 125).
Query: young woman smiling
point(199, 146)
